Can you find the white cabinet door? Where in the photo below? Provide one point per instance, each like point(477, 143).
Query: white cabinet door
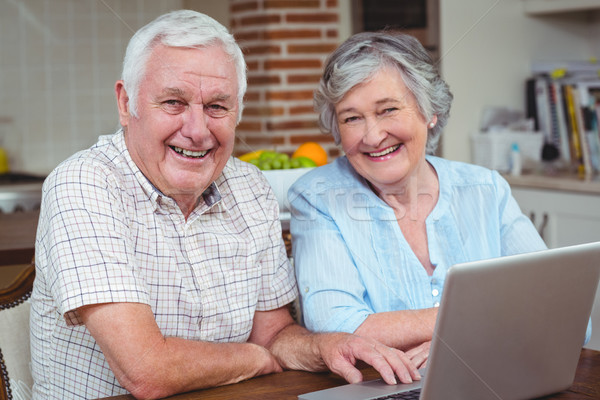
point(563, 219)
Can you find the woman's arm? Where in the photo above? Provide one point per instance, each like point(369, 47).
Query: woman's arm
point(403, 330)
point(296, 348)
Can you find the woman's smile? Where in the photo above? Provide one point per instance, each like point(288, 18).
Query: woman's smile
point(384, 154)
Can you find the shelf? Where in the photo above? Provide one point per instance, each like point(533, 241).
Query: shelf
point(563, 182)
point(544, 7)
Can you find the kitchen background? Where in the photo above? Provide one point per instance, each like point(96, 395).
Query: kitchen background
point(59, 60)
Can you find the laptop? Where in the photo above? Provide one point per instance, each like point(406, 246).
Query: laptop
point(508, 328)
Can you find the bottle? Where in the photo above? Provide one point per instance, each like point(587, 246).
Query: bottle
point(4, 166)
point(515, 160)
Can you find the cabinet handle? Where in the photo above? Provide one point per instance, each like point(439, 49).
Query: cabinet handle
point(542, 228)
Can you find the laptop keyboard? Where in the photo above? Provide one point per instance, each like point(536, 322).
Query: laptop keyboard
point(410, 395)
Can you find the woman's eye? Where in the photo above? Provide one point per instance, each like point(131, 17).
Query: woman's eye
point(350, 119)
point(389, 110)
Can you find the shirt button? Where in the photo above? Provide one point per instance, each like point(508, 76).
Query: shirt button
point(436, 304)
point(435, 292)
point(306, 289)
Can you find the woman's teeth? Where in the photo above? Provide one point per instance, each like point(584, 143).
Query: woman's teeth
point(189, 153)
point(384, 152)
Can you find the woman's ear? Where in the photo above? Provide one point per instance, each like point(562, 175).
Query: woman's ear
point(122, 103)
point(432, 122)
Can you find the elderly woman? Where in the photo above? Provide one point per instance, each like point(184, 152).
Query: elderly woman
point(375, 232)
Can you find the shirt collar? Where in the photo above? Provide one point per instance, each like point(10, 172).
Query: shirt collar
point(154, 195)
point(210, 197)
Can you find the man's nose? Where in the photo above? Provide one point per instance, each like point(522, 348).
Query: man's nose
point(195, 123)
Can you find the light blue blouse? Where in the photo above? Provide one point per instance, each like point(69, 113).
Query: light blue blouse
point(350, 255)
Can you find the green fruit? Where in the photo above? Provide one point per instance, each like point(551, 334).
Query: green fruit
point(306, 162)
point(264, 165)
point(282, 157)
point(276, 164)
point(286, 164)
point(268, 155)
point(295, 163)
point(254, 161)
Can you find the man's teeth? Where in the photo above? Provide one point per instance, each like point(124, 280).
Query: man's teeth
point(386, 151)
point(189, 153)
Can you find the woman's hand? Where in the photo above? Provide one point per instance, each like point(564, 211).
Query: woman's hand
point(420, 354)
point(340, 352)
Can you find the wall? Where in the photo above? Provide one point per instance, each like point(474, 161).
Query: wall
point(219, 9)
point(487, 47)
point(285, 44)
point(59, 60)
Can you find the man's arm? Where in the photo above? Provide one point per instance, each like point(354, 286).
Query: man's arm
point(150, 365)
point(296, 348)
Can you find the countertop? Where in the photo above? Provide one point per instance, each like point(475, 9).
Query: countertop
point(562, 181)
point(20, 197)
point(17, 230)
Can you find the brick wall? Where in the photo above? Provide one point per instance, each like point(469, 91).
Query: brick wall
point(285, 43)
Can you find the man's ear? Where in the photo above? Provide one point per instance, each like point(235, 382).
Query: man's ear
point(122, 103)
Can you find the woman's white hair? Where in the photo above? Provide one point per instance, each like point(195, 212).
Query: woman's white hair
point(182, 28)
point(361, 56)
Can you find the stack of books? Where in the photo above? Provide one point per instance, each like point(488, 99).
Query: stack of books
point(564, 101)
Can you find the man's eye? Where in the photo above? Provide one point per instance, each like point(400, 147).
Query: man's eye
point(216, 110)
point(173, 102)
point(173, 106)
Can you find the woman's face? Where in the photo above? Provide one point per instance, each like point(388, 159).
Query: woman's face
point(382, 130)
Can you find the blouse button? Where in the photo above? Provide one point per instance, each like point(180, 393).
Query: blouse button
point(435, 292)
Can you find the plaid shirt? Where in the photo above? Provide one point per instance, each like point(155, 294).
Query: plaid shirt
point(106, 234)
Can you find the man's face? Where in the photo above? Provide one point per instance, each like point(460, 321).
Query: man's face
point(187, 109)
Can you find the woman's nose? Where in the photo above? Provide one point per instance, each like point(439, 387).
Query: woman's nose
point(374, 132)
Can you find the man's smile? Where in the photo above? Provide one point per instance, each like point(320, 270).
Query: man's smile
point(189, 153)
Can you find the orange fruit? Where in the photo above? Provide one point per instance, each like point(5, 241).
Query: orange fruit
point(312, 150)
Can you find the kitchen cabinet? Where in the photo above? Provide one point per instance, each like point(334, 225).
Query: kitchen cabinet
point(565, 211)
point(562, 218)
point(543, 7)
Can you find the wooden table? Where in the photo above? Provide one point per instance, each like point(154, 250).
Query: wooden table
point(289, 384)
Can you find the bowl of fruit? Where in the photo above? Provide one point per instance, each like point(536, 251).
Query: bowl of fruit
point(282, 170)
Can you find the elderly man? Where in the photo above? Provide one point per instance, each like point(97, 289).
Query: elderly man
point(160, 263)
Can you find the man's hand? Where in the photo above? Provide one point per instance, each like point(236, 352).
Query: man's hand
point(340, 351)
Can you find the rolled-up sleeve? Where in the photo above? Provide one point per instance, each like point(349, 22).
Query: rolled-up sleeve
point(331, 288)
